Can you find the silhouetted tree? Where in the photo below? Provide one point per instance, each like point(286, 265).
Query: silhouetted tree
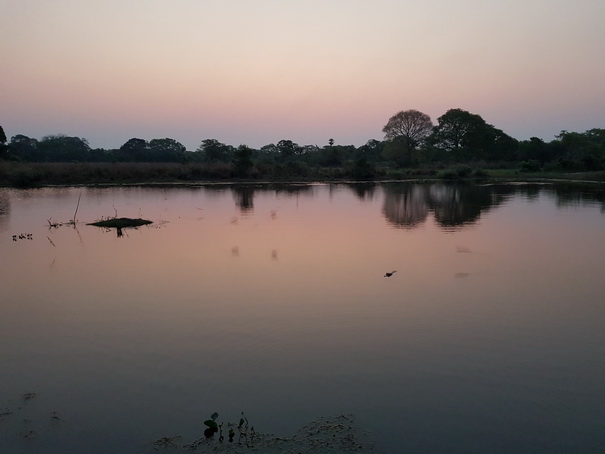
point(134, 150)
point(215, 151)
point(410, 126)
point(2, 136)
point(24, 148)
point(457, 129)
point(242, 161)
point(534, 149)
point(62, 148)
point(287, 149)
point(372, 150)
point(166, 150)
point(581, 151)
point(468, 136)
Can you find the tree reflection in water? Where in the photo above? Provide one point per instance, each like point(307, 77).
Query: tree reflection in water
point(454, 205)
point(407, 205)
point(4, 208)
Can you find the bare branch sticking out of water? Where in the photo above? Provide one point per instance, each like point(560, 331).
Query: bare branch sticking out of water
point(51, 241)
point(77, 206)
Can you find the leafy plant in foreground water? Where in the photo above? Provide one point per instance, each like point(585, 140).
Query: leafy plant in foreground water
point(213, 427)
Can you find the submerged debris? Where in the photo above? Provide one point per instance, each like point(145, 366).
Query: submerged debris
point(28, 396)
point(165, 442)
point(23, 236)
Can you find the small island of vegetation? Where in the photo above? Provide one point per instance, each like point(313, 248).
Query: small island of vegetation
point(120, 223)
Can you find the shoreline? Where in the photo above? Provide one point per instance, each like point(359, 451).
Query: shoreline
point(38, 175)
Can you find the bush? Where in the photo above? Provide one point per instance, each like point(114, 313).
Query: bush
point(530, 166)
point(24, 178)
point(462, 171)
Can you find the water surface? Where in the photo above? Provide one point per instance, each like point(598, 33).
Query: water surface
point(272, 300)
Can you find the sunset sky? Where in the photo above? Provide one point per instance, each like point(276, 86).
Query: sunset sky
point(257, 71)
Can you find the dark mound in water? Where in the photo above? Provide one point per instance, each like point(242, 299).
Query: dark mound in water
point(121, 223)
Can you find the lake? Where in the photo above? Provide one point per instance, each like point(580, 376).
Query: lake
point(273, 300)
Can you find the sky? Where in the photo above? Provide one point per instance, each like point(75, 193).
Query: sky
point(258, 71)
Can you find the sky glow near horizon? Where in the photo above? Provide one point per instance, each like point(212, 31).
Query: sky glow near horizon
point(255, 72)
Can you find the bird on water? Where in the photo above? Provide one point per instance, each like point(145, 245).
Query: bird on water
point(390, 274)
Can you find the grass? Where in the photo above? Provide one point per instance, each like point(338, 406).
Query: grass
point(24, 175)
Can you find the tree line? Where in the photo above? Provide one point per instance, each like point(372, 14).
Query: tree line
point(411, 141)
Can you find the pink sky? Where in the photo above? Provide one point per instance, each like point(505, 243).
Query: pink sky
point(258, 72)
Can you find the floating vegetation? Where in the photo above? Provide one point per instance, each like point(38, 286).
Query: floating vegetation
point(29, 435)
point(55, 225)
point(165, 442)
point(28, 396)
point(23, 236)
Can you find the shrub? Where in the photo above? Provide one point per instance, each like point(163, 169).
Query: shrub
point(530, 166)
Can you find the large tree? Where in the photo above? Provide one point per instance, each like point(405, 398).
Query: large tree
point(288, 149)
point(215, 151)
point(62, 148)
point(458, 129)
point(242, 161)
point(468, 136)
point(410, 127)
point(135, 149)
point(166, 150)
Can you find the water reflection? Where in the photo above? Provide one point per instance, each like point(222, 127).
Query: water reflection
point(4, 209)
point(408, 205)
point(363, 191)
point(244, 194)
point(568, 194)
point(244, 198)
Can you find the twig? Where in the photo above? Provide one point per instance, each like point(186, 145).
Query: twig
point(77, 206)
point(51, 241)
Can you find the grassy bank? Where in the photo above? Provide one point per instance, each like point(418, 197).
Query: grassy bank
point(23, 175)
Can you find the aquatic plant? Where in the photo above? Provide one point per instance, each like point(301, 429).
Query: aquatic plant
point(213, 427)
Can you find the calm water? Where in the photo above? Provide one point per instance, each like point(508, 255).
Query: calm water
point(490, 338)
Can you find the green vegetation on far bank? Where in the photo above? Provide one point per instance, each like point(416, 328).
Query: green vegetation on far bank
point(461, 145)
point(33, 174)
